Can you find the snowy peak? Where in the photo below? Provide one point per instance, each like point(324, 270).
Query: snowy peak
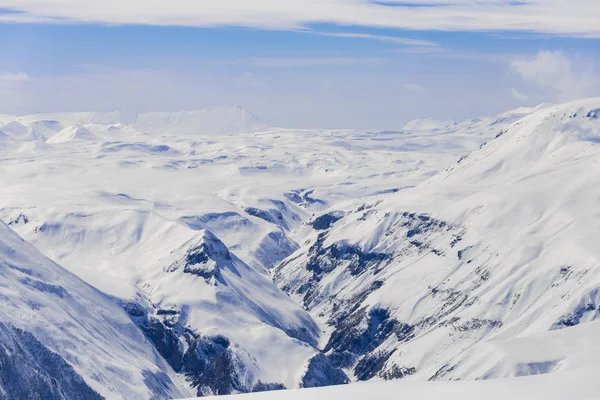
point(74, 118)
point(551, 135)
point(226, 120)
point(205, 258)
point(23, 133)
point(427, 124)
point(74, 132)
point(210, 121)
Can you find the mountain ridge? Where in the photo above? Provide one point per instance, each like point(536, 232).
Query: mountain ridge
point(343, 255)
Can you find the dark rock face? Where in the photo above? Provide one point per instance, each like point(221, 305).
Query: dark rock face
point(442, 372)
point(21, 219)
point(205, 259)
point(371, 364)
point(357, 338)
point(322, 260)
point(303, 198)
point(363, 337)
point(575, 317)
point(419, 224)
point(272, 216)
point(326, 259)
point(396, 372)
point(360, 335)
point(321, 372)
point(588, 308)
point(166, 341)
point(294, 197)
point(212, 367)
point(325, 221)
point(267, 387)
point(29, 370)
point(477, 324)
point(209, 363)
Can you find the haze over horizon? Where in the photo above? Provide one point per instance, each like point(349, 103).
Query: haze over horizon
point(299, 64)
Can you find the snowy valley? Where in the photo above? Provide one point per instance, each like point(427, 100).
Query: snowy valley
point(174, 255)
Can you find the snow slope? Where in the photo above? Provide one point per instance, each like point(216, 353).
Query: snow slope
point(185, 231)
point(85, 328)
point(343, 255)
point(576, 348)
point(73, 132)
point(499, 245)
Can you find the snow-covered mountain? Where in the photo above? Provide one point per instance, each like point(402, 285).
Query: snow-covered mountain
point(62, 339)
point(498, 245)
point(221, 121)
point(247, 258)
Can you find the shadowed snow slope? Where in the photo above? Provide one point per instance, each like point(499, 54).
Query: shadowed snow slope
point(59, 321)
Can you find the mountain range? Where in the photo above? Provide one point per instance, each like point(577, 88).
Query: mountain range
point(203, 253)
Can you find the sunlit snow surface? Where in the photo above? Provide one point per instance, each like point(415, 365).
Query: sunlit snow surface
point(576, 349)
point(477, 257)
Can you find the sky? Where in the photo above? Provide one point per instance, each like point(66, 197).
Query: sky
point(360, 64)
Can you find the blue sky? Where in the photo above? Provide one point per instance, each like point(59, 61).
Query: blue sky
point(329, 69)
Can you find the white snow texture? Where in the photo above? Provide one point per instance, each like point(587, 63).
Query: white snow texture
point(200, 253)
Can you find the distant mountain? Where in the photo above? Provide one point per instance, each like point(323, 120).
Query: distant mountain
point(74, 132)
point(221, 121)
point(210, 121)
point(428, 124)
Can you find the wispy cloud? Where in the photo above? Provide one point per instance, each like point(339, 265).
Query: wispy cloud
point(293, 62)
point(517, 95)
point(554, 71)
point(9, 78)
point(573, 17)
point(250, 80)
point(413, 87)
point(381, 38)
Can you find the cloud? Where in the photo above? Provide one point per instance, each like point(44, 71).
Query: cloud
point(413, 87)
point(250, 80)
point(7, 78)
point(381, 38)
point(573, 17)
point(293, 62)
point(554, 71)
point(518, 95)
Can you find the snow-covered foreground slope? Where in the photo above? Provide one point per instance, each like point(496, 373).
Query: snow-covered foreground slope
point(255, 258)
point(575, 352)
point(62, 339)
point(576, 349)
